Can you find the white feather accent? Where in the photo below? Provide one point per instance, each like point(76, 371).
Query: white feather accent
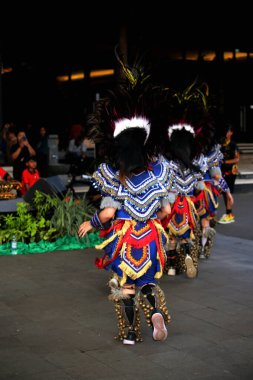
point(179, 127)
point(139, 122)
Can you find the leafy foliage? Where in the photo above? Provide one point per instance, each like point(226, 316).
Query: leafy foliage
point(70, 213)
point(50, 218)
point(25, 226)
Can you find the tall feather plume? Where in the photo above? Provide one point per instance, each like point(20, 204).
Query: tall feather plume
point(133, 96)
point(188, 107)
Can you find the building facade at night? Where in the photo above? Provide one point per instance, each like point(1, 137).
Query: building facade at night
point(61, 90)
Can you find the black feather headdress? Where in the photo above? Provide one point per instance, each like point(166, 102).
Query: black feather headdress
point(189, 127)
point(133, 103)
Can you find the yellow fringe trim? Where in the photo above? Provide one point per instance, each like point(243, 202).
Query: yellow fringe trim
point(131, 273)
point(216, 204)
point(202, 212)
point(107, 241)
point(118, 233)
point(123, 280)
point(178, 232)
point(161, 231)
point(193, 208)
point(192, 236)
point(160, 273)
point(127, 271)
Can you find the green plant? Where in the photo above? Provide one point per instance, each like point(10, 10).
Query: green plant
point(45, 204)
point(70, 213)
point(49, 218)
point(25, 226)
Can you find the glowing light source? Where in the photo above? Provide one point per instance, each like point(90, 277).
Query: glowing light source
point(77, 76)
point(241, 55)
point(101, 73)
point(192, 55)
point(62, 78)
point(228, 55)
point(209, 56)
point(7, 70)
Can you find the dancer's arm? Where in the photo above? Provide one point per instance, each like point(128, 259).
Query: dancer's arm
point(97, 220)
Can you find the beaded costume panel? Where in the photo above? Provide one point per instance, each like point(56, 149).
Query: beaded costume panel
point(183, 180)
point(214, 158)
point(134, 244)
point(140, 197)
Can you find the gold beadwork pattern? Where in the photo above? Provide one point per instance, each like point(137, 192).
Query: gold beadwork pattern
point(208, 247)
point(198, 238)
point(160, 304)
point(116, 296)
point(140, 302)
point(194, 253)
point(123, 324)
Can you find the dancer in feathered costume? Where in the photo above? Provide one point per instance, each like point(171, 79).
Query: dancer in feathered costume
point(207, 201)
point(134, 200)
point(187, 115)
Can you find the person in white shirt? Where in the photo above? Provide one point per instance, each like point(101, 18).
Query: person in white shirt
point(77, 148)
point(79, 156)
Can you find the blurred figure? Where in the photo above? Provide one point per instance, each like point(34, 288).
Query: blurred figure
point(30, 175)
point(4, 133)
point(42, 150)
point(19, 153)
point(31, 133)
point(10, 141)
point(75, 130)
point(229, 170)
point(78, 156)
point(76, 149)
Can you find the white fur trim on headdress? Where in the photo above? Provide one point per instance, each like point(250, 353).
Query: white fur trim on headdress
point(139, 122)
point(179, 127)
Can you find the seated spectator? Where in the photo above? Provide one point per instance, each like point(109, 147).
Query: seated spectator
point(76, 149)
point(20, 152)
point(79, 156)
point(30, 175)
point(10, 141)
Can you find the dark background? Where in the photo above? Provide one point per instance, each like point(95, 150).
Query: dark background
point(40, 44)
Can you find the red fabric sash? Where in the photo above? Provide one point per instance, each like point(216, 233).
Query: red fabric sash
point(181, 206)
point(127, 238)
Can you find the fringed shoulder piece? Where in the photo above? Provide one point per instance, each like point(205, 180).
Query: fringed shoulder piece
point(142, 194)
point(162, 172)
point(214, 157)
point(201, 163)
point(106, 180)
